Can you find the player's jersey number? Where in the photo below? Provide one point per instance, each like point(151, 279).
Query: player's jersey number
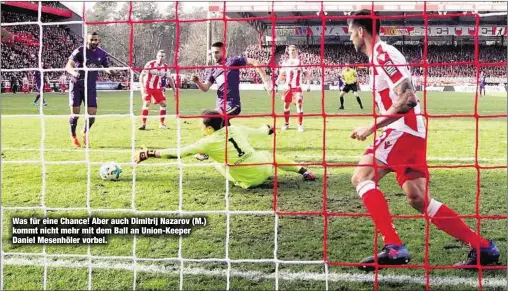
point(238, 149)
point(379, 140)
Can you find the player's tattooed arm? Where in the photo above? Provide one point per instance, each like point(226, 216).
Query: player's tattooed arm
point(406, 97)
point(405, 102)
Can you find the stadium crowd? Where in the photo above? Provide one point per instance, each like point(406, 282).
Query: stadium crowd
point(334, 55)
point(59, 42)
point(54, 4)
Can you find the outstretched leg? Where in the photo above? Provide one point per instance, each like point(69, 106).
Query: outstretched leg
point(447, 220)
point(364, 180)
point(286, 166)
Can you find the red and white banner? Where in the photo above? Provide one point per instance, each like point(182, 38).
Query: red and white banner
point(331, 30)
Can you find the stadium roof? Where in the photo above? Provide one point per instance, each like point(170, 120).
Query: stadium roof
point(306, 9)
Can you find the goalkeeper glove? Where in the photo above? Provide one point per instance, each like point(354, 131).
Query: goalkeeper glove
point(144, 155)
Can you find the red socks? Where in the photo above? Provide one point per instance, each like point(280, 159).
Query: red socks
point(453, 225)
point(441, 216)
point(144, 113)
point(286, 116)
point(376, 205)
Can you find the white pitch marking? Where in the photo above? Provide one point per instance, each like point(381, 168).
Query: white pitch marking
point(255, 275)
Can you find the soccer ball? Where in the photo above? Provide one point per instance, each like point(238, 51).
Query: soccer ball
point(110, 171)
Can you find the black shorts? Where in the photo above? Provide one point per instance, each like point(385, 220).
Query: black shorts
point(349, 87)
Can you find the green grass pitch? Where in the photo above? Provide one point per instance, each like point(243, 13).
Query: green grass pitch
point(251, 236)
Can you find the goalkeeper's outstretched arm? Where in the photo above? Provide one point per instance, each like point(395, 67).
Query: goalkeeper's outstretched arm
point(171, 153)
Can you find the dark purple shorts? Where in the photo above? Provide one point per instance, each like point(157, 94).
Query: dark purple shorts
point(77, 95)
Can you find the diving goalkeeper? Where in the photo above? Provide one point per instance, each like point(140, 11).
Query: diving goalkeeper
point(238, 151)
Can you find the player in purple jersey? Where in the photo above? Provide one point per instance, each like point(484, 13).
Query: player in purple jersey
point(95, 58)
point(483, 83)
point(229, 104)
point(40, 86)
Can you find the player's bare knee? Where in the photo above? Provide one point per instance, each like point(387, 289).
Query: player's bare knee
point(75, 110)
point(355, 180)
point(162, 104)
point(92, 111)
point(416, 202)
point(415, 196)
point(360, 175)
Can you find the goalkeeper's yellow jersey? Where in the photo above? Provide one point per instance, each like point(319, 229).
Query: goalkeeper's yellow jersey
point(349, 76)
point(237, 150)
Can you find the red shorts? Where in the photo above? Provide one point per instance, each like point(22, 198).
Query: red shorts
point(403, 153)
point(156, 94)
point(25, 88)
point(62, 86)
point(289, 93)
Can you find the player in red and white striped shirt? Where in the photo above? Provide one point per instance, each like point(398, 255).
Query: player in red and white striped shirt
point(401, 148)
point(293, 75)
point(152, 87)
